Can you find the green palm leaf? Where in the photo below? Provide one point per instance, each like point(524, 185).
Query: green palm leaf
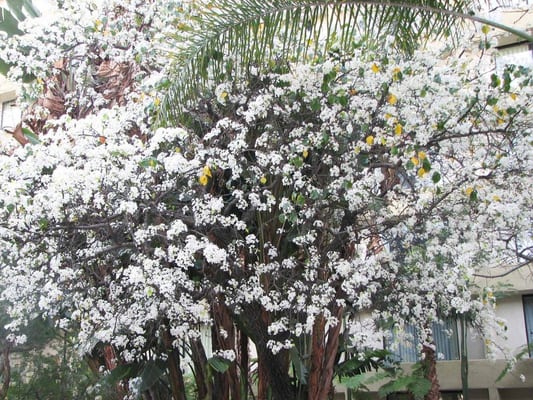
point(235, 35)
point(13, 12)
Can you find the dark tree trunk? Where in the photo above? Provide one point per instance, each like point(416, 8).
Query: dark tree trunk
point(226, 385)
point(177, 384)
point(244, 365)
point(199, 359)
point(5, 371)
point(430, 367)
point(273, 369)
point(324, 348)
point(274, 382)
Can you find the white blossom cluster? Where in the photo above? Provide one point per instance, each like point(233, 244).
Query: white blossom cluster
point(363, 184)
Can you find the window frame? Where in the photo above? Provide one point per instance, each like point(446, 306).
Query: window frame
point(6, 105)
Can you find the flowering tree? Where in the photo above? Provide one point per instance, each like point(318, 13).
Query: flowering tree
point(283, 209)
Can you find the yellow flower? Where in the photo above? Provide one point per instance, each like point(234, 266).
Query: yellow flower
point(496, 198)
point(352, 92)
point(375, 68)
point(421, 172)
point(388, 116)
point(414, 160)
point(392, 99)
point(207, 171)
point(421, 155)
point(157, 101)
point(263, 180)
point(204, 180)
point(305, 153)
point(383, 141)
point(469, 191)
point(398, 129)
point(357, 150)
point(370, 140)
point(514, 96)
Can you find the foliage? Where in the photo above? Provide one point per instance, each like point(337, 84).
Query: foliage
point(11, 14)
point(229, 38)
point(285, 205)
point(47, 366)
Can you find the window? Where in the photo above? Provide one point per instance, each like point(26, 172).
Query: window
point(10, 115)
point(528, 316)
point(446, 341)
point(514, 53)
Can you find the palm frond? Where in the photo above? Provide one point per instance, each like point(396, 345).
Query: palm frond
point(235, 35)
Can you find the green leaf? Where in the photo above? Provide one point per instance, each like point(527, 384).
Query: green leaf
point(4, 67)
point(372, 361)
point(473, 195)
point(435, 177)
point(363, 160)
point(492, 101)
point(121, 372)
point(506, 81)
point(149, 162)
point(416, 385)
point(355, 382)
point(299, 366)
point(8, 23)
point(151, 373)
point(219, 364)
point(43, 224)
point(32, 137)
point(495, 81)
point(315, 104)
point(426, 165)
point(300, 199)
point(297, 161)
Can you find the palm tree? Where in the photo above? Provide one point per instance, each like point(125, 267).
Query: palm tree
point(235, 35)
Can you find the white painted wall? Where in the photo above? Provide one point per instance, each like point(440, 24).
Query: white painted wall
point(512, 310)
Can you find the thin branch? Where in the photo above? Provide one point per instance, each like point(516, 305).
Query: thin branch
point(504, 273)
